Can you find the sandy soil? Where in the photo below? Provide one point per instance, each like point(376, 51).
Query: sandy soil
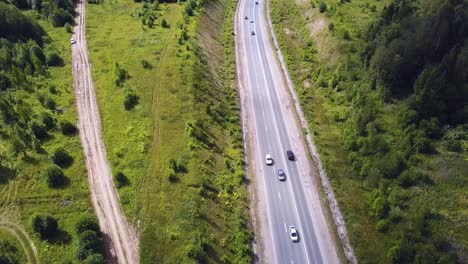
point(121, 239)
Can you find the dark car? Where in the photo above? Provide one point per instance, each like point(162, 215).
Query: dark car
point(290, 155)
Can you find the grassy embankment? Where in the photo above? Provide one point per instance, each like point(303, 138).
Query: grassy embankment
point(175, 147)
point(324, 62)
point(24, 191)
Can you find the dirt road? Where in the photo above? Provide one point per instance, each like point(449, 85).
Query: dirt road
point(121, 239)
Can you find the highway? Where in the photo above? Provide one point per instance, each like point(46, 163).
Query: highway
point(274, 130)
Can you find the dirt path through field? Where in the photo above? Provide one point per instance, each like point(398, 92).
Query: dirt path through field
point(121, 239)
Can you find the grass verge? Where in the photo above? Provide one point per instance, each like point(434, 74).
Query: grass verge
point(179, 147)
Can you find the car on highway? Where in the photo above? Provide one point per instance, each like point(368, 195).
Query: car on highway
point(246, 17)
point(256, 2)
point(281, 175)
point(293, 234)
point(290, 155)
point(72, 41)
point(268, 160)
point(252, 33)
point(251, 20)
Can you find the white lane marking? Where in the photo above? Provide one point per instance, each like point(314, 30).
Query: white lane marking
point(279, 194)
point(285, 228)
point(278, 137)
point(292, 261)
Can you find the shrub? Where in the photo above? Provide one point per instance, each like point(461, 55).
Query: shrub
point(68, 27)
point(146, 64)
point(45, 226)
point(171, 175)
point(164, 23)
point(85, 224)
point(8, 252)
point(61, 158)
point(95, 258)
point(120, 179)
point(346, 35)
point(331, 27)
point(453, 145)
point(54, 177)
point(130, 99)
point(323, 7)
point(89, 243)
point(50, 103)
point(382, 225)
point(67, 128)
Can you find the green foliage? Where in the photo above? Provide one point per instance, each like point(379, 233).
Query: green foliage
point(121, 74)
point(87, 223)
point(18, 27)
point(61, 158)
point(45, 225)
point(95, 258)
point(322, 7)
point(89, 244)
point(8, 252)
point(131, 99)
point(146, 64)
point(120, 179)
point(54, 177)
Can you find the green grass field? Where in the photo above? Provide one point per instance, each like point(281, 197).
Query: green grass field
point(314, 55)
point(186, 218)
point(28, 193)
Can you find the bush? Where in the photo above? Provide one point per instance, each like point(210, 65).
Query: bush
point(146, 64)
point(8, 252)
point(95, 258)
point(61, 158)
point(346, 35)
point(45, 226)
point(86, 224)
point(453, 145)
point(382, 225)
point(323, 7)
point(164, 23)
point(120, 179)
point(50, 103)
point(54, 177)
point(89, 243)
point(59, 17)
point(68, 28)
point(130, 99)
point(67, 128)
point(171, 175)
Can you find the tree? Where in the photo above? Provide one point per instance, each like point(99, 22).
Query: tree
point(45, 226)
point(89, 243)
point(95, 258)
point(130, 99)
point(120, 179)
point(8, 252)
point(85, 224)
point(322, 7)
point(54, 177)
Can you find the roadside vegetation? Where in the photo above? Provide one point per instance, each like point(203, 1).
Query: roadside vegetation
point(383, 86)
point(43, 180)
point(176, 153)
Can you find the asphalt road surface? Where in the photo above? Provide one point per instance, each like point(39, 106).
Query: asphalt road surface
point(274, 130)
point(121, 239)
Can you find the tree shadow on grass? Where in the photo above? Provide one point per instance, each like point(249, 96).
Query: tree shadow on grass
point(6, 174)
point(61, 237)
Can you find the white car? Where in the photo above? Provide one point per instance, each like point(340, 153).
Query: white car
point(72, 41)
point(268, 160)
point(281, 175)
point(293, 234)
point(251, 21)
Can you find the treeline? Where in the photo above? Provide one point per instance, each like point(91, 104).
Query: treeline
point(422, 50)
point(58, 12)
point(416, 56)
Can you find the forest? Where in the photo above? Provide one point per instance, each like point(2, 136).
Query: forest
point(416, 54)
